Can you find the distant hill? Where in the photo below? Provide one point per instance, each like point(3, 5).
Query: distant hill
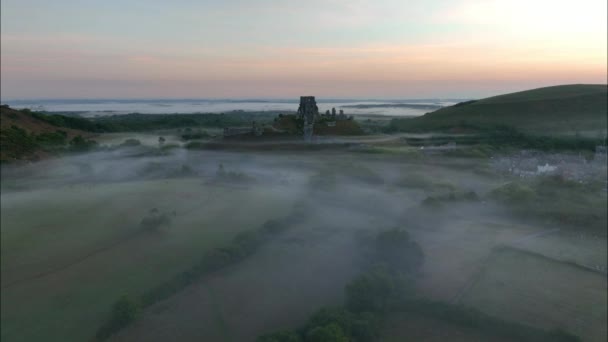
point(24, 136)
point(565, 109)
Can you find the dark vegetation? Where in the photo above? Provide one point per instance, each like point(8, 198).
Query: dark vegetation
point(394, 105)
point(17, 143)
point(291, 124)
point(148, 122)
point(498, 137)
point(155, 220)
point(23, 136)
point(554, 200)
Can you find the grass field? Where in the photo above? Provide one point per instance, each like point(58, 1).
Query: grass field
point(64, 262)
point(540, 292)
point(72, 242)
point(411, 327)
point(277, 288)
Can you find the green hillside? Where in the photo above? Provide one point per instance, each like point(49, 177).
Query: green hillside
point(558, 110)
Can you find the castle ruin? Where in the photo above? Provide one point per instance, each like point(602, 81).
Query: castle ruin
point(308, 112)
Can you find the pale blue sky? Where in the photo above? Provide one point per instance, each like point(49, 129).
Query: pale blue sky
point(273, 48)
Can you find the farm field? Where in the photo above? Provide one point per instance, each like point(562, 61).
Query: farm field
point(410, 327)
point(69, 259)
point(64, 263)
point(538, 291)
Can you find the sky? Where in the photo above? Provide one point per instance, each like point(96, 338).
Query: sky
point(288, 48)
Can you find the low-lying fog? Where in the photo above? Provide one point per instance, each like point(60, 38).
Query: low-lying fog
point(72, 241)
point(91, 108)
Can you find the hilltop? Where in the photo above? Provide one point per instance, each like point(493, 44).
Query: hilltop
point(557, 110)
point(25, 136)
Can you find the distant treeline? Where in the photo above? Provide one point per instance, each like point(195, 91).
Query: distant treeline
point(502, 136)
point(146, 122)
point(395, 105)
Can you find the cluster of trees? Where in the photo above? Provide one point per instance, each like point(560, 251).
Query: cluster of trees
point(146, 122)
point(124, 311)
point(492, 136)
point(387, 283)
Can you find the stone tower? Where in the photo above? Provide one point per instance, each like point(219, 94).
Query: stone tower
point(308, 111)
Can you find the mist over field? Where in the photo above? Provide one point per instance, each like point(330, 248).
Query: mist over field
point(80, 231)
point(99, 107)
point(304, 171)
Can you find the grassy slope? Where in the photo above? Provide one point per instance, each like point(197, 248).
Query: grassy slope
point(11, 148)
point(550, 110)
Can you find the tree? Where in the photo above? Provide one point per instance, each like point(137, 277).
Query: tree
point(328, 333)
point(372, 291)
point(124, 312)
point(78, 143)
point(280, 336)
point(394, 249)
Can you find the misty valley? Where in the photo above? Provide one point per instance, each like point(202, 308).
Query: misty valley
point(374, 229)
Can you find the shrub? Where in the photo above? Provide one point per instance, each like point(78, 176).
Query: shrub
point(394, 249)
point(376, 291)
point(124, 311)
point(328, 333)
point(16, 142)
point(57, 138)
point(80, 144)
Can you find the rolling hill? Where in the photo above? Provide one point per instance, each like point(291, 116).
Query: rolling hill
point(24, 136)
point(557, 110)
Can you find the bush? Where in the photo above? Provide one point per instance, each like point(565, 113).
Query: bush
point(16, 142)
point(80, 144)
point(394, 249)
point(52, 139)
point(124, 311)
point(376, 291)
point(357, 327)
point(328, 333)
